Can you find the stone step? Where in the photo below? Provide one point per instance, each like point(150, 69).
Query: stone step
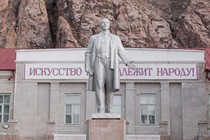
point(83, 137)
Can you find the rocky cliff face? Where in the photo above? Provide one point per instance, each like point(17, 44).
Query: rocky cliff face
point(139, 23)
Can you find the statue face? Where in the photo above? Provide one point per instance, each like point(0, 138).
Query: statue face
point(104, 24)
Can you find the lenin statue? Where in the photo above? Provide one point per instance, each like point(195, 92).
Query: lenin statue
point(102, 65)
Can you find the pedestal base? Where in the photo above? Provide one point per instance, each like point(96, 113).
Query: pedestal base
point(106, 129)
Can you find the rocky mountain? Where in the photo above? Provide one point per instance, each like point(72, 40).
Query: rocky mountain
point(139, 23)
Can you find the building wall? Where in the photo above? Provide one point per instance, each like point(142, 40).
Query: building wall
point(176, 111)
point(40, 103)
point(193, 108)
point(71, 88)
point(7, 86)
point(42, 115)
point(7, 83)
point(207, 100)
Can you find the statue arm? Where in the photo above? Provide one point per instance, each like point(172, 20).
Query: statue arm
point(123, 56)
point(88, 67)
point(125, 60)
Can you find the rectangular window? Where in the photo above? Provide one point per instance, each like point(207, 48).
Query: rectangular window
point(72, 109)
point(116, 108)
point(147, 109)
point(4, 107)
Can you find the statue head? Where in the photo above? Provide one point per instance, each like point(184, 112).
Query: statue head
point(104, 24)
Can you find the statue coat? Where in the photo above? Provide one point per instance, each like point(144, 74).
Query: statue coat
point(116, 50)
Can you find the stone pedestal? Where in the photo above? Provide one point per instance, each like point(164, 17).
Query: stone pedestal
point(163, 130)
point(203, 130)
point(101, 128)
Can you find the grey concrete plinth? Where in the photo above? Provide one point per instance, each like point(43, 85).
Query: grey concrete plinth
point(69, 137)
point(83, 137)
point(105, 116)
point(106, 129)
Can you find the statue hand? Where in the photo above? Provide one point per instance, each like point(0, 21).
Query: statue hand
point(130, 64)
point(90, 72)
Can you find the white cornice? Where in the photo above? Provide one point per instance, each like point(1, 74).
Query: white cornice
point(140, 55)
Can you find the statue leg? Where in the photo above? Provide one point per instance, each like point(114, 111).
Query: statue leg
point(109, 102)
point(109, 95)
point(99, 75)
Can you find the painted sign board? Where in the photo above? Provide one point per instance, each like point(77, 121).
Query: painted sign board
point(142, 71)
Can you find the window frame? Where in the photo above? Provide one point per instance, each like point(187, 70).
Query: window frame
point(3, 104)
point(147, 105)
point(65, 113)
